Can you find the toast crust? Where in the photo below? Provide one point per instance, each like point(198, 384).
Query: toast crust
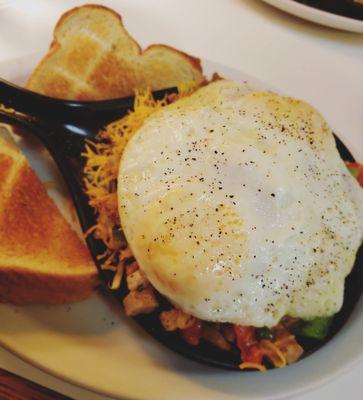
point(20, 286)
point(100, 60)
point(195, 61)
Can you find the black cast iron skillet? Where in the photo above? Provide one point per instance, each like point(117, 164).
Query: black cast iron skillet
point(62, 126)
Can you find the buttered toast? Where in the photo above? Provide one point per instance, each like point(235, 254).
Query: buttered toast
point(42, 260)
point(93, 57)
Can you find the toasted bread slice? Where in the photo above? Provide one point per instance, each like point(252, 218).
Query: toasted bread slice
point(42, 260)
point(92, 57)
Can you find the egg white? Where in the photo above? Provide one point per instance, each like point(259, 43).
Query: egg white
point(238, 207)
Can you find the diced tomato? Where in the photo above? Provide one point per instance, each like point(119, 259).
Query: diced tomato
point(245, 336)
point(247, 343)
point(252, 354)
point(351, 164)
point(357, 171)
point(360, 177)
point(193, 334)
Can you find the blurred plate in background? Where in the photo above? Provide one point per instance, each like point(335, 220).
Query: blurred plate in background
point(337, 16)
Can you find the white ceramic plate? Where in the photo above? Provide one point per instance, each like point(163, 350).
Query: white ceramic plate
point(318, 16)
point(92, 345)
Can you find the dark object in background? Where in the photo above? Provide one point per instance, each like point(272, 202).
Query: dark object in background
point(345, 8)
point(14, 387)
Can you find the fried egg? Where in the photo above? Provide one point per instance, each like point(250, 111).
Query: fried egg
point(238, 207)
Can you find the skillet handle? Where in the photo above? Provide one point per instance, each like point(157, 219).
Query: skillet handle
point(59, 111)
point(28, 102)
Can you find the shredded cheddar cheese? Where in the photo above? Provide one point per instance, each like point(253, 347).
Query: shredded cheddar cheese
point(101, 170)
point(116, 282)
point(7, 109)
point(102, 161)
point(273, 353)
point(251, 365)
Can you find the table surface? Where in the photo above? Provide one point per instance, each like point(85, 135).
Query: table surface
point(298, 57)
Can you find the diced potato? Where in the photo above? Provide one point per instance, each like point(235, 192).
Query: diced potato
point(215, 337)
point(176, 319)
point(169, 319)
point(136, 280)
point(290, 348)
point(185, 320)
point(143, 302)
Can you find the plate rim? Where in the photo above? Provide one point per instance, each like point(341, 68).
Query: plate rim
point(317, 16)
